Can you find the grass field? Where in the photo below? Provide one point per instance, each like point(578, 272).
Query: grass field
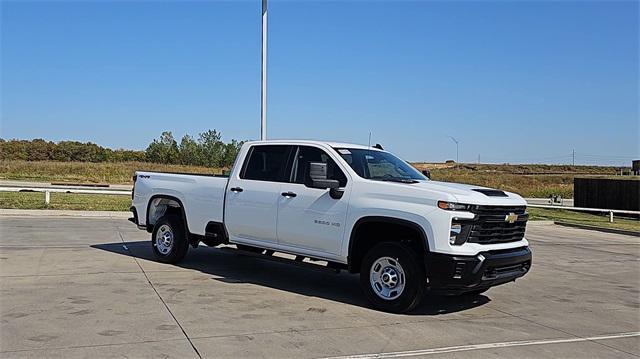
point(526, 180)
point(72, 201)
point(596, 220)
point(87, 172)
point(537, 181)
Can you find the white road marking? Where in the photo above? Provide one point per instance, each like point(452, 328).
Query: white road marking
point(462, 348)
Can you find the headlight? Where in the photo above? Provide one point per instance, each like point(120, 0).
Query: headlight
point(452, 206)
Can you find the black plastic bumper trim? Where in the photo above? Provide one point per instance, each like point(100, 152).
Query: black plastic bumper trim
point(459, 274)
point(133, 219)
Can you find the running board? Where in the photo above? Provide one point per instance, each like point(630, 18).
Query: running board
point(331, 267)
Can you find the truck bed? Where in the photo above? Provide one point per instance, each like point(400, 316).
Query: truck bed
point(201, 196)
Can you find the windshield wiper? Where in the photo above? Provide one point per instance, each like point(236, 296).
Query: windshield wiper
point(399, 180)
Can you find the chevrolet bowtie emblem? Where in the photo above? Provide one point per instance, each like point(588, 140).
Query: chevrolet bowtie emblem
point(511, 218)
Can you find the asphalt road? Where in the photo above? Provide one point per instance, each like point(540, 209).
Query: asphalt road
point(86, 287)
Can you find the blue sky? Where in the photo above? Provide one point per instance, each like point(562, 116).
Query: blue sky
point(512, 81)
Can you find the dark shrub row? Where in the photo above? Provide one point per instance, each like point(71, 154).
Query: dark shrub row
point(207, 150)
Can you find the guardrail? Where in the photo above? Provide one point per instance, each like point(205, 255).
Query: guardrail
point(611, 212)
point(48, 190)
point(565, 202)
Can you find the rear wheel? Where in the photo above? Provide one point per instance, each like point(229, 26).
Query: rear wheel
point(168, 239)
point(392, 277)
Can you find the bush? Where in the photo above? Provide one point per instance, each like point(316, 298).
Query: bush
point(209, 150)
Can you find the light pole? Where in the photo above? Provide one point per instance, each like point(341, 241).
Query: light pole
point(456, 141)
point(263, 92)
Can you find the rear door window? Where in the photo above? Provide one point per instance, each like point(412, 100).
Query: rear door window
point(266, 163)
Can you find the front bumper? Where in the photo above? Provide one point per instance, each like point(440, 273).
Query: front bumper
point(451, 274)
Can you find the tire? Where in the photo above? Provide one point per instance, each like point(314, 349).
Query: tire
point(251, 249)
point(175, 245)
point(388, 263)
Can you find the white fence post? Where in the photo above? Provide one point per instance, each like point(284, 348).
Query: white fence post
point(610, 216)
point(47, 197)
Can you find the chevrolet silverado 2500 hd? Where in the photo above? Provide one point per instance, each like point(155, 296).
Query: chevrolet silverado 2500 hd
point(358, 208)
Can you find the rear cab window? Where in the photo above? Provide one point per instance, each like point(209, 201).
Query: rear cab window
point(266, 163)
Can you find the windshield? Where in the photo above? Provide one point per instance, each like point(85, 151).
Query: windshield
point(379, 165)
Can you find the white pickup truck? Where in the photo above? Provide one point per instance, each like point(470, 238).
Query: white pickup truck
point(354, 207)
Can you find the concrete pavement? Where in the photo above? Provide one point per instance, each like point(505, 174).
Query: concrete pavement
point(88, 287)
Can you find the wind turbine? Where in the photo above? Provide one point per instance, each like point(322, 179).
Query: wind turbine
point(456, 142)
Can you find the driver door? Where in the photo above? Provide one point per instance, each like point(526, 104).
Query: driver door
point(309, 218)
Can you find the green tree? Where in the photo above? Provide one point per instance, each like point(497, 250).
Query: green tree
point(190, 152)
point(39, 150)
point(163, 150)
point(212, 148)
point(78, 151)
point(231, 150)
point(208, 150)
point(14, 150)
point(122, 155)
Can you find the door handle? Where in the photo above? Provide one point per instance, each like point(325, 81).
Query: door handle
point(236, 189)
point(288, 194)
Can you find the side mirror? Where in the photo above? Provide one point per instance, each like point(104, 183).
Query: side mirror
point(318, 176)
point(426, 173)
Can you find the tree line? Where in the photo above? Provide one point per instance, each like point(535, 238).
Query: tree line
point(207, 149)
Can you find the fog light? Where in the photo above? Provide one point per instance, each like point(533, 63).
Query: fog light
point(459, 233)
point(456, 229)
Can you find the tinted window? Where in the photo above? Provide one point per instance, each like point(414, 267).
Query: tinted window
point(305, 155)
point(266, 163)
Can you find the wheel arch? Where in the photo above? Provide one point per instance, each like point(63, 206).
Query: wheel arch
point(379, 227)
point(165, 200)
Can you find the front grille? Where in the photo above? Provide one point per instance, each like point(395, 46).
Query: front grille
point(490, 225)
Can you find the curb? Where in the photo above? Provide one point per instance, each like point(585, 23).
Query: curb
point(62, 213)
point(535, 222)
point(601, 229)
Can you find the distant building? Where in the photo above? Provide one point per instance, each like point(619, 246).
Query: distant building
point(635, 167)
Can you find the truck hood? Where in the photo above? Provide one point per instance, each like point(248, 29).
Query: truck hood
point(472, 194)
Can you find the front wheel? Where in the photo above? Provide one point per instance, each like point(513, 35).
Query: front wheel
point(168, 239)
point(392, 277)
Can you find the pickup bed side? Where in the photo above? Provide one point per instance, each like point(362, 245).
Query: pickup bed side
point(201, 197)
